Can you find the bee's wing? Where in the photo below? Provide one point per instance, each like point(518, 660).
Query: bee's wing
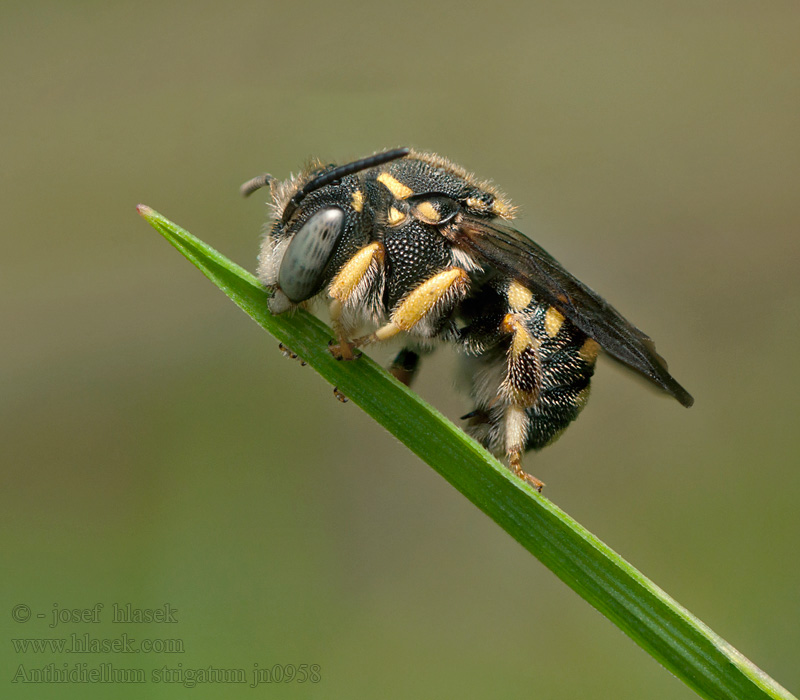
point(519, 257)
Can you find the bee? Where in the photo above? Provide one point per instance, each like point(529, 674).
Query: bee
point(409, 244)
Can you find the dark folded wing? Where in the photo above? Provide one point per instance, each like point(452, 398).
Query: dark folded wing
point(519, 257)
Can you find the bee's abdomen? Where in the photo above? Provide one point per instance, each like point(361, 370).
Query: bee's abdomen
point(530, 374)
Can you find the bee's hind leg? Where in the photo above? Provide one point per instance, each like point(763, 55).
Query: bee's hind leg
point(516, 428)
point(521, 389)
point(515, 462)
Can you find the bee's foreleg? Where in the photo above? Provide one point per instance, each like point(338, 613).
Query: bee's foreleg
point(360, 278)
point(343, 350)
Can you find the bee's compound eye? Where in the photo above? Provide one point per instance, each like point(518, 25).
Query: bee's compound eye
point(305, 260)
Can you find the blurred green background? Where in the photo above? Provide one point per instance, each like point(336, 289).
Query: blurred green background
point(158, 449)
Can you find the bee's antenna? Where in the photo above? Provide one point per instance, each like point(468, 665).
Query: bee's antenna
point(337, 174)
point(256, 183)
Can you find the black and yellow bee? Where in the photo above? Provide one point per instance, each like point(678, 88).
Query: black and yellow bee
point(408, 242)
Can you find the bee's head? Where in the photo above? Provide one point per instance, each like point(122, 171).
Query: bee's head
point(315, 231)
point(305, 247)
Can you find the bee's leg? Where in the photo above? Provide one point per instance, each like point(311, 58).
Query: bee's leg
point(405, 365)
point(343, 350)
point(361, 276)
point(515, 462)
point(437, 292)
point(286, 352)
point(520, 390)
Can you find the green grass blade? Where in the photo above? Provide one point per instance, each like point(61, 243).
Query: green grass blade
point(670, 633)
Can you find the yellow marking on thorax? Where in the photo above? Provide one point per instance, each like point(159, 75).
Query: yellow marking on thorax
point(397, 188)
point(358, 200)
point(422, 299)
point(429, 213)
point(395, 216)
point(589, 351)
point(553, 320)
point(353, 271)
point(518, 296)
